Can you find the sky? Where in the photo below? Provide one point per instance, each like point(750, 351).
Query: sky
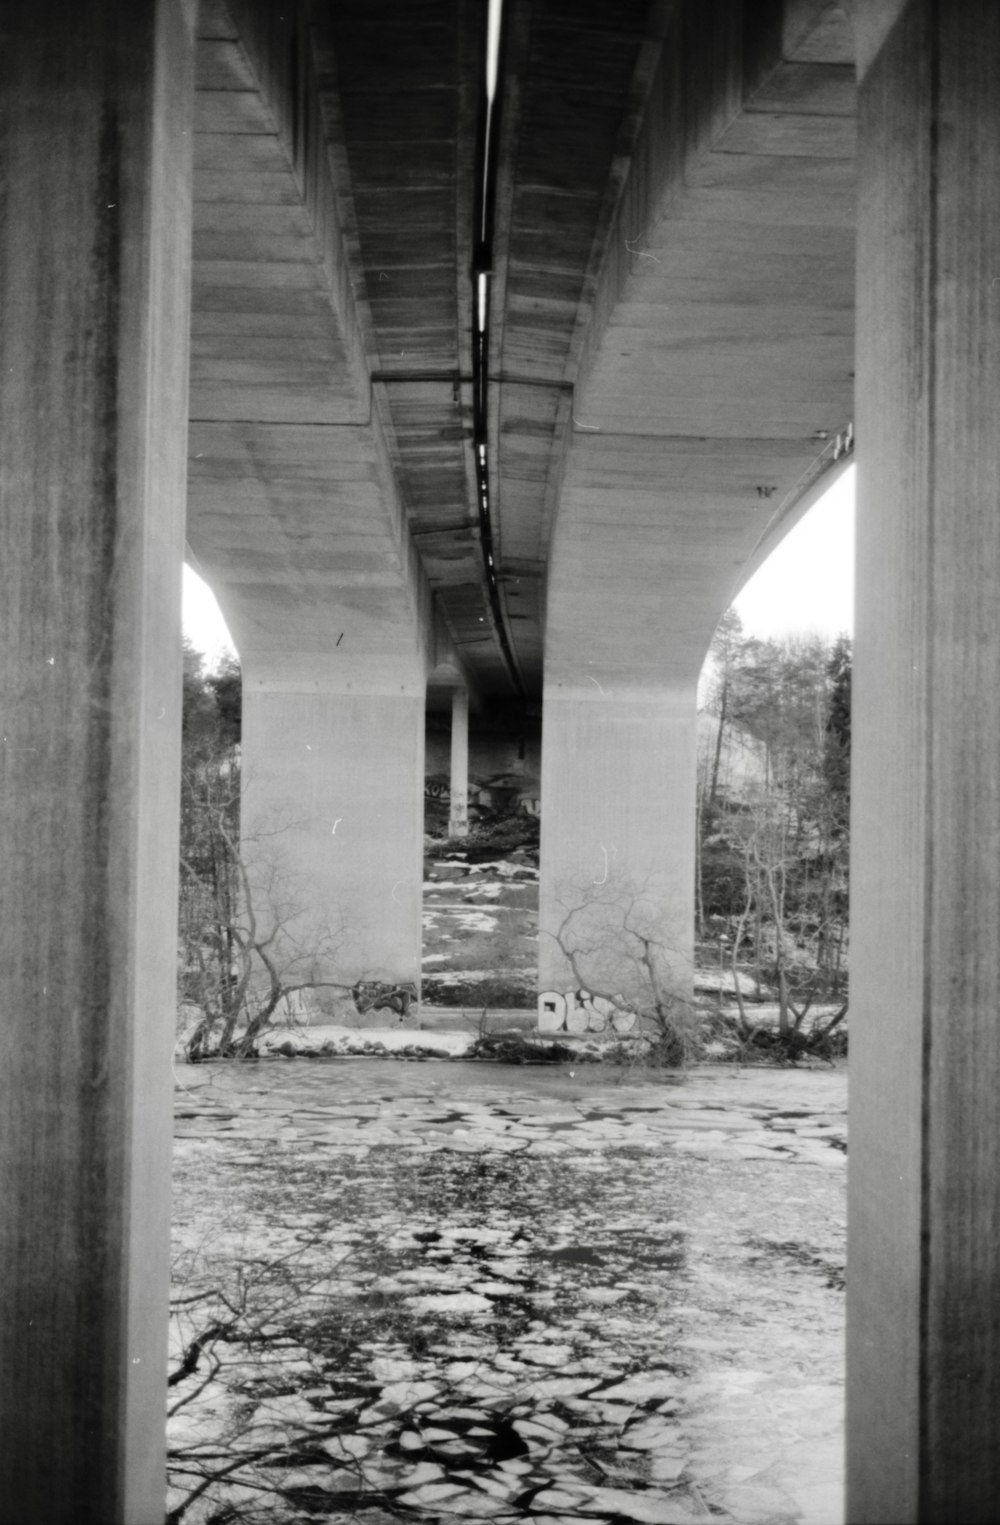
point(807, 584)
point(203, 623)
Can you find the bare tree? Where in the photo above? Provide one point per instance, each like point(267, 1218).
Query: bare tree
point(612, 939)
point(249, 945)
point(799, 922)
point(773, 851)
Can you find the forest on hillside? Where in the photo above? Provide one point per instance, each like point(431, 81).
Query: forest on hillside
point(774, 836)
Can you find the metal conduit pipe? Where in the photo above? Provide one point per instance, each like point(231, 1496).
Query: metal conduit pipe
point(482, 268)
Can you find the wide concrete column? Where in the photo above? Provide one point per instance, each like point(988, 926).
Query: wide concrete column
point(458, 813)
point(618, 838)
point(333, 819)
point(95, 118)
point(924, 1220)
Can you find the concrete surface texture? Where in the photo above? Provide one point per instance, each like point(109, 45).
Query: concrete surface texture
point(94, 244)
point(333, 826)
point(924, 1352)
point(458, 813)
point(618, 778)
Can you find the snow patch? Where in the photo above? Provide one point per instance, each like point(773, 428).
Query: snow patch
point(450, 1302)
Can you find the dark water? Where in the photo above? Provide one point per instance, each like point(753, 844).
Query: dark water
point(466, 1292)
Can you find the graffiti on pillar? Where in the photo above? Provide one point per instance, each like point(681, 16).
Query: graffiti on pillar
point(478, 794)
point(375, 995)
point(492, 794)
point(579, 1011)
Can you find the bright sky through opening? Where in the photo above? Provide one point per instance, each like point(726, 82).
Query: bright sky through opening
point(203, 623)
point(807, 583)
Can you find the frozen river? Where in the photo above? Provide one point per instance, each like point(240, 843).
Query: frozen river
point(458, 1291)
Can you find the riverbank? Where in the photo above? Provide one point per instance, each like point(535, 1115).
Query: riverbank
point(509, 1036)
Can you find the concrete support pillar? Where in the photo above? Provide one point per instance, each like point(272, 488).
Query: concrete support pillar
point(618, 839)
point(458, 815)
point(333, 818)
point(924, 1219)
point(95, 140)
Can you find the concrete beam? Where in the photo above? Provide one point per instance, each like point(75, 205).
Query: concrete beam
point(924, 1187)
point(95, 136)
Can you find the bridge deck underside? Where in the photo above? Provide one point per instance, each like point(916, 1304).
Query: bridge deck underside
point(670, 346)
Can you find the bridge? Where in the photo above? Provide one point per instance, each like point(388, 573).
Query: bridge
point(477, 353)
point(511, 347)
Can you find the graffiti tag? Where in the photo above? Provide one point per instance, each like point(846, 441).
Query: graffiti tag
point(579, 1011)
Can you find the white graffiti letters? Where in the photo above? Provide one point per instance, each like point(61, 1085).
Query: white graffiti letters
point(578, 1011)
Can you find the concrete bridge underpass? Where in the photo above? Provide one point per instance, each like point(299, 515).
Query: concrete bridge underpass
point(479, 353)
